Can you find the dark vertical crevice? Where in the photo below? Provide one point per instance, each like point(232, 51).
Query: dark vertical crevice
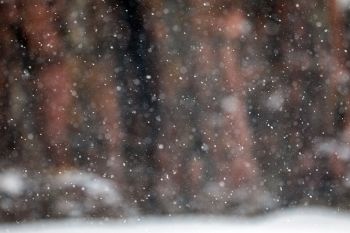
point(5, 132)
point(139, 99)
point(28, 120)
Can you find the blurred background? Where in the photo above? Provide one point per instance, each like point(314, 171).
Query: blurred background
point(116, 108)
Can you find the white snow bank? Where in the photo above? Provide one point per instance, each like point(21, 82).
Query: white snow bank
point(310, 220)
point(11, 183)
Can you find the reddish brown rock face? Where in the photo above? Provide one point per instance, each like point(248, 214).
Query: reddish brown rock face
point(187, 106)
point(208, 138)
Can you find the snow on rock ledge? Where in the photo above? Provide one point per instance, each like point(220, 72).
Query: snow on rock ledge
point(312, 220)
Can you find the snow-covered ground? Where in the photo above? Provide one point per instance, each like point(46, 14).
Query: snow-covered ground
point(310, 220)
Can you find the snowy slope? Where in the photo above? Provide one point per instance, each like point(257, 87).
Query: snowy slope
point(300, 220)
